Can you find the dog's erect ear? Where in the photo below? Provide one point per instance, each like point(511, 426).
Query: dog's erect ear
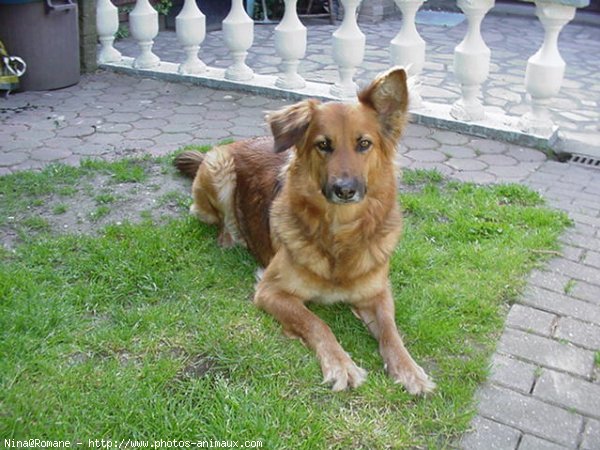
point(388, 95)
point(289, 124)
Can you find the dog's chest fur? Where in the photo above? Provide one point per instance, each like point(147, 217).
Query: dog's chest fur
point(337, 248)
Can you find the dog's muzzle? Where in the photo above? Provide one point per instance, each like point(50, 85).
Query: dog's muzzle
point(344, 190)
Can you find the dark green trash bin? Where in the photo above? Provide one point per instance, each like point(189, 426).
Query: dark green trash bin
point(46, 35)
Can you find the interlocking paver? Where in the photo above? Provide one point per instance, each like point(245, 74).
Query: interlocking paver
point(90, 149)
point(583, 240)
point(592, 189)
point(586, 291)
point(486, 434)
point(512, 373)
point(530, 415)
point(450, 138)
point(466, 164)
point(589, 205)
point(51, 154)
point(424, 155)
point(113, 127)
point(485, 146)
point(498, 160)
point(13, 158)
point(529, 442)
point(578, 332)
point(569, 392)
point(511, 173)
point(573, 253)
point(523, 154)
point(561, 304)
point(591, 435)
point(576, 270)
point(531, 319)
point(547, 352)
point(122, 117)
point(457, 151)
point(549, 280)
point(150, 123)
point(417, 131)
point(145, 133)
point(588, 217)
point(578, 177)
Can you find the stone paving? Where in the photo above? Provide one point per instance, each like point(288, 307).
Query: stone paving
point(544, 386)
point(511, 39)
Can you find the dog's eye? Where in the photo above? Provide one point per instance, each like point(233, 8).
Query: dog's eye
point(364, 145)
point(324, 146)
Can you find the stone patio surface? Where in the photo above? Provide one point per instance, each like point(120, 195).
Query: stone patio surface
point(511, 39)
point(544, 387)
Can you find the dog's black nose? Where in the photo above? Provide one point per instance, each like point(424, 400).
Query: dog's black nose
point(345, 189)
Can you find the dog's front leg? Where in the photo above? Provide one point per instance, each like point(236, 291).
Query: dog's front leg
point(378, 315)
point(299, 322)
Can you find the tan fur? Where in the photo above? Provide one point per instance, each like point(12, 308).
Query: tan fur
point(317, 206)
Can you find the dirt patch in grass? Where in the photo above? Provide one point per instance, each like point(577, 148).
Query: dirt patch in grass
point(96, 199)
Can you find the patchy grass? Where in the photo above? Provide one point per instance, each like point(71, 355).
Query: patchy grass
point(22, 191)
point(146, 331)
point(60, 208)
point(124, 171)
point(421, 176)
point(100, 212)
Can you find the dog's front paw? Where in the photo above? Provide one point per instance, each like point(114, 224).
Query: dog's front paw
point(413, 378)
point(341, 372)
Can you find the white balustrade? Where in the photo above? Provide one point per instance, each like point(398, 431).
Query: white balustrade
point(407, 49)
point(143, 23)
point(471, 62)
point(543, 77)
point(107, 23)
point(290, 44)
point(190, 25)
point(238, 32)
point(348, 51)
point(546, 68)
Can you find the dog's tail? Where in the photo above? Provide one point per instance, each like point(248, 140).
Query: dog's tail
point(188, 162)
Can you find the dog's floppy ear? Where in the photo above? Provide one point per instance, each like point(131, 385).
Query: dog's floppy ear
point(388, 95)
point(289, 124)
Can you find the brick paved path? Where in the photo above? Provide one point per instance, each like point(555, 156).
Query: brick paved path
point(544, 390)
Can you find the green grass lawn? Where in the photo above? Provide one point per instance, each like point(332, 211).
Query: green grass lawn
point(145, 330)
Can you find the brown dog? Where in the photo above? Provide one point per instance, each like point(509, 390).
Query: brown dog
point(317, 207)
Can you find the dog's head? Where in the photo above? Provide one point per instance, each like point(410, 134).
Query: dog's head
point(344, 145)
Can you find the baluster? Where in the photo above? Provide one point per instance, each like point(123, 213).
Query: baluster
point(471, 61)
point(546, 68)
point(107, 23)
point(190, 26)
point(290, 43)
point(238, 31)
point(143, 22)
point(348, 51)
point(407, 49)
